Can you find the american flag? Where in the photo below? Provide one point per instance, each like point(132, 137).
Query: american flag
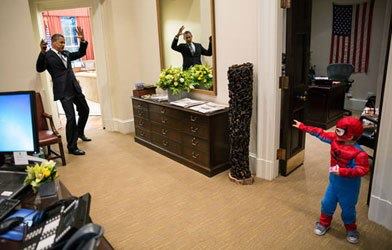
point(350, 40)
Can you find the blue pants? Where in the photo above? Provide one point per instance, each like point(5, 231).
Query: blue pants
point(346, 196)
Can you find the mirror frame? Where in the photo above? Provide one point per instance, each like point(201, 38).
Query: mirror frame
point(162, 56)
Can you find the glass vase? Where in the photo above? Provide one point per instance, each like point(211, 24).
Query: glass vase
point(47, 189)
point(175, 97)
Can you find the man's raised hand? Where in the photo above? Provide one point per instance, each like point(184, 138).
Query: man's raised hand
point(79, 31)
point(43, 45)
point(180, 31)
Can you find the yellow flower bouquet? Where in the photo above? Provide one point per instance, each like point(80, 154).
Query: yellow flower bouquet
point(200, 75)
point(174, 80)
point(40, 174)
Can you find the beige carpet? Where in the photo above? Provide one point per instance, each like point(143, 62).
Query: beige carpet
point(145, 200)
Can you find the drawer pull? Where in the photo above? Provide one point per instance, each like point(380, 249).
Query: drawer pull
point(195, 155)
point(163, 110)
point(193, 118)
point(165, 143)
point(194, 129)
point(163, 120)
point(164, 131)
point(194, 141)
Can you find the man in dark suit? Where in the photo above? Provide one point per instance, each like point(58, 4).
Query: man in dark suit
point(65, 86)
point(191, 52)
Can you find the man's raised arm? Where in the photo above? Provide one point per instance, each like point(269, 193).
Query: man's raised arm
point(174, 44)
point(82, 48)
point(40, 65)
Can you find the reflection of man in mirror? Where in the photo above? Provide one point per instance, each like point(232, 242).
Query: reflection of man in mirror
point(191, 52)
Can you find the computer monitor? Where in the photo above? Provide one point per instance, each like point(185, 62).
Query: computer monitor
point(18, 131)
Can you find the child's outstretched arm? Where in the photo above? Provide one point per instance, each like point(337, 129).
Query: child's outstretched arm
point(361, 166)
point(324, 136)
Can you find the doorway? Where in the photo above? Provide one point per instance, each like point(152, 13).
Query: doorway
point(309, 29)
point(100, 63)
point(65, 22)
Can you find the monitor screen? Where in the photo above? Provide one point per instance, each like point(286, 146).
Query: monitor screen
point(17, 122)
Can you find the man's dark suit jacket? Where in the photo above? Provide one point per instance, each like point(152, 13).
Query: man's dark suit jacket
point(62, 77)
point(188, 59)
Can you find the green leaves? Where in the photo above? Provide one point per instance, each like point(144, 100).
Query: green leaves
point(176, 80)
point(201, 75)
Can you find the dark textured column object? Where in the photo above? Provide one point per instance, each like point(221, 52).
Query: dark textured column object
point(240, 93)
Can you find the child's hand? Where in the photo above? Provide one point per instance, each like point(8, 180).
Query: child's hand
point(334, 169)
point(296, 124)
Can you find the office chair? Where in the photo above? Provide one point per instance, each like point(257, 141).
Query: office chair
point(48, 136)
point(368, 137)
point(341, 72)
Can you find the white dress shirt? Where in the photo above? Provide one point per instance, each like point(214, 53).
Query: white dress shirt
point(62, 57)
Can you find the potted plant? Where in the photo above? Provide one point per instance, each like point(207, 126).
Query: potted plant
point(174, 81)
point(41, 178)
point(200, 75)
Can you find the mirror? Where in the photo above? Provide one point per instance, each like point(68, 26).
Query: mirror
point(197, 17)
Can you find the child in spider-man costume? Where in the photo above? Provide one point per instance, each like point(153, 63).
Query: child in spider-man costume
point(348, 164)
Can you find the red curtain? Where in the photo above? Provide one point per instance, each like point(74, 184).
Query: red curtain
point(53, 23)
point(84, 22)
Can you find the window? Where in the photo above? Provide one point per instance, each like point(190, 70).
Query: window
point(68, 25)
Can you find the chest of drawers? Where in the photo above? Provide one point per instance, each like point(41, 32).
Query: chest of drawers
point(199, 141)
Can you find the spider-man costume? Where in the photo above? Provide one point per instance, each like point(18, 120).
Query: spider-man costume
point(353, 163)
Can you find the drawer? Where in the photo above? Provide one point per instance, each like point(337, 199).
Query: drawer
point(198, 119)
point(146, 135)
point(143, 113)
point(166, 143)
point(195, 143)
point(196, 156)
point(171, 112)
point(166, 131)
point(166, 120)
point(197, 130)
point(139, 104)
point(142, 123)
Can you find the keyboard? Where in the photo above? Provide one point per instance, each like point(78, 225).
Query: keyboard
point(6, 206)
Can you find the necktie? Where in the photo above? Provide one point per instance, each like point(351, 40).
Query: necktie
point(191, 48)
point(64, 59)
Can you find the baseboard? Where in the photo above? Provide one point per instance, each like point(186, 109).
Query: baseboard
point(354, 104)
point(123, 126)
point(262, 168)
point(380, 211)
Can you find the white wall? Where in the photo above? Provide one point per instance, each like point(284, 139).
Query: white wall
point(380, 209)
point(364, 84)
point(18, 48)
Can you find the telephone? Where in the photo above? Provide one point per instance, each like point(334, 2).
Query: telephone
point(86, 238)
point(58, 223)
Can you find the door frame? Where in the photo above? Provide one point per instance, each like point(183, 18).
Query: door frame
point(100, 52)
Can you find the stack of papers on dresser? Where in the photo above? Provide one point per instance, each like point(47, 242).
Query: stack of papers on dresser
point(187, 102)
point(158, 97)
point(208, 107)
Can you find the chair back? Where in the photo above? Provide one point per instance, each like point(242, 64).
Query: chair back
point(42, 124)
point(340, 71)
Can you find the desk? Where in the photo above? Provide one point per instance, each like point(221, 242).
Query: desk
point(27, 201)
point(325, 104)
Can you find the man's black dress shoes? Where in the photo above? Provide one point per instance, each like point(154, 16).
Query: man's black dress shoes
point(76, 152)
point(84, 138)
